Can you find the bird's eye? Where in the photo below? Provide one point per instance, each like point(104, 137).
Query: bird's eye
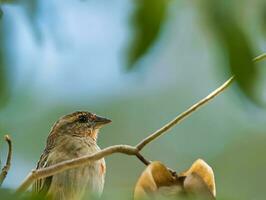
point(83, 119)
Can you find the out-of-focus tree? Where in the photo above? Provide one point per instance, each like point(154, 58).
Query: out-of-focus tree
point(223, 23)
point(3, 69)
point(147, 20)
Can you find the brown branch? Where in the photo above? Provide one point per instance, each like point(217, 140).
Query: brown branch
point(183, 115)
point(193, 108)
point(124, 149)
point(141, 158)
point(6, 168)
point(69, 164)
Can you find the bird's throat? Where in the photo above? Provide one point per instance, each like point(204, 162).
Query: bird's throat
point(94, 134)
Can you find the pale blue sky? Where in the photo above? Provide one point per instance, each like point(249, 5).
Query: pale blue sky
point(81, 46)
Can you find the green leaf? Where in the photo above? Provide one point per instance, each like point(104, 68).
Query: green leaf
point(3, 79)
point(237, 48)
point(240, 58)
point(147, 21)
point(1, 13)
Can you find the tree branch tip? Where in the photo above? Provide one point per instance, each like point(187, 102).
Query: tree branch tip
point(6, 168)
point(7, 138)
point(260, 57)
point(127, 149)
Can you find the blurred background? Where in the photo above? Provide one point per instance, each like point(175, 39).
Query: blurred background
point(139, 63)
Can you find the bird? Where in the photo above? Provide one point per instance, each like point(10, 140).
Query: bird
point(72, 136)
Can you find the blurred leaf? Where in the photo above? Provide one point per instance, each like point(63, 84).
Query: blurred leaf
point(32, 9)
point(9, 1)
point(240, 59)
point(3, 79)
point(263, 16)
point(196, 182)
point(1, 13)
point(236, 45)
point(6, 2)
point(147, 21)
point(7, 194)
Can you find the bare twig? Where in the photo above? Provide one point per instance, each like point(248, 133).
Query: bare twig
point(259, 58)
point(193, 108)
point(183, 115)
point(124, 149)
point(6, 168)
point(142, 159)
point(69, 164)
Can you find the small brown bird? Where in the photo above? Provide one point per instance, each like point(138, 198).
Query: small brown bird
point(72, 136)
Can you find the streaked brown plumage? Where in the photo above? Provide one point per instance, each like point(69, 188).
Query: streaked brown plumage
point(72, 136)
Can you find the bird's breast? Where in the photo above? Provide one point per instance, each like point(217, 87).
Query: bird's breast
point(76, 182)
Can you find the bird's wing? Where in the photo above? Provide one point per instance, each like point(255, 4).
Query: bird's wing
point(42, 185)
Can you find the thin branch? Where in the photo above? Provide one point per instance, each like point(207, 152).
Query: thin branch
point(142, 159)
point(124, 149)
point(193, 108)
point(73, 163)
point(6, 168)
point(260, 58)
point(183, 115)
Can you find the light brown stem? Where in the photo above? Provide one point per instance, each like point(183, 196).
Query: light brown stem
point(125, 149)
point(73, 163)
point(259, 58)
point(6, 168)
point(141, 158)
point(183, 115)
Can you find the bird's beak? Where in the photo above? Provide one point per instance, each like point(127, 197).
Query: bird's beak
point(100, 121)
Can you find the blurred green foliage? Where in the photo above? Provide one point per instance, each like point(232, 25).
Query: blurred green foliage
point(1, 13)
point(7, 194)
point(150, 15)
point(135, 116)
point(3, 69)
point(236, 45)
point(147, 22)
point(263, 16)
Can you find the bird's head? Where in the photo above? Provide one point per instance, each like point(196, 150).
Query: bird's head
point(81, 124)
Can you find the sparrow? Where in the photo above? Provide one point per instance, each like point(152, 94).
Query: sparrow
point(72, 136)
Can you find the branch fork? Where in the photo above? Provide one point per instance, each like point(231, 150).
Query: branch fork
point(125, 149)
